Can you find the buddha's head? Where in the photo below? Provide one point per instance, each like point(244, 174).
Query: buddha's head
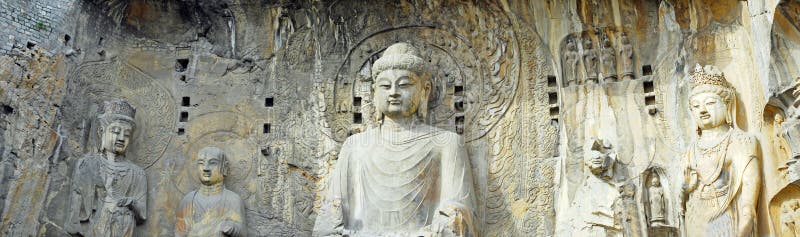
point(116, 126)
point(655, 181)
point(212, 165)
point(711, 98)
point(600, 158)
point(401, 83)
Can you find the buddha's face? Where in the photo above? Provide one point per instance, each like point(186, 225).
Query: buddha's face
point(398, 92)
point(597, 162)
point(116, 137)
point(655, 181)
point(210, 168)
point(708, 109)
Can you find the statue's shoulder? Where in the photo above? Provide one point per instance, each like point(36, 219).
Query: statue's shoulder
point(89, 161)
point(361, 138)
point(230, 195)
point(743, 139)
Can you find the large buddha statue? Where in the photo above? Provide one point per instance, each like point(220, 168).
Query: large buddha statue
point(109, 193)
point(212, 210)
point(722, 172)
point(401, 177)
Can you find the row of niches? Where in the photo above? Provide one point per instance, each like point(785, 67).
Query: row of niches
point(184, 73)
point(599, 56)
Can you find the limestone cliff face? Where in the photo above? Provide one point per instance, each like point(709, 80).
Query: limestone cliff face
point(281, 84)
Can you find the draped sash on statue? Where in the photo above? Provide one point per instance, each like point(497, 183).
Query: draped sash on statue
point(390, 188)
point(712, 207)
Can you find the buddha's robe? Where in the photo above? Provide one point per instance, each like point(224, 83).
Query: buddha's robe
point(713, 206)
point(385, 188)
point(98, 185)
point(202, 215)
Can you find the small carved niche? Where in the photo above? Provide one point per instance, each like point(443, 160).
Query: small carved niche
point(459, 106)
point(551, 81)
point(181, 64)
point(267, 128)
point(356, 101)
point(647, 70)
point(459, 124)
point(357, 118)
point(181, 131)
point(649, 95)
point(269, 102)
point(186, 101)
point(656, 202)
point(458, 90)
point(552, 98)
point(184, 116)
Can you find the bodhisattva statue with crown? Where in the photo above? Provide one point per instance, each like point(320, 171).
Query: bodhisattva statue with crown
point(401, 177)
point(109, 193)
point(212, 210)
point(721, 168)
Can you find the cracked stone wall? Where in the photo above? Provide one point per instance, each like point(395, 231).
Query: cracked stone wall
point(280, 84)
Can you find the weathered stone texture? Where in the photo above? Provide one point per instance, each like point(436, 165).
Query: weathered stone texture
point(280, 85)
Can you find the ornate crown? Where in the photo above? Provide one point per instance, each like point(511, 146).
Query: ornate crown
point(708, 75)
point(119, 108)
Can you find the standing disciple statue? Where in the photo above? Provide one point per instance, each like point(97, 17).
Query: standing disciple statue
point(608, 60)
point(571, 57)
point(401, 177)
point(658, 205)
point(590, 60)
point(212, 210)
point(722, 171)
point(626, 57)
point(109, 193)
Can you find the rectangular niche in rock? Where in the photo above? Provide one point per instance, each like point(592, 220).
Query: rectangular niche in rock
point(267, 128)
point(356, 101)
point(186, 101)
point(184, 116)
point(357, 119)
point(647, 70)
point(269, 102)
point(181, 64)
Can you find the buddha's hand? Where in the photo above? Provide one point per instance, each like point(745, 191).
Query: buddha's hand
point(229, 228)
point(126, 202)
point(451, 219)
point(690, 181)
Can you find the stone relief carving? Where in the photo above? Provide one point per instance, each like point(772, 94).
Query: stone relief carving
point(608, 60)
point(721, 169)
point(597, 211)
point(211, 210)
point(570, 64)
point(626, 57)
point(657, 202)
point(790, 217)
point(389, 194)
point(596, 58)
point(109, 193)
point(591, 60)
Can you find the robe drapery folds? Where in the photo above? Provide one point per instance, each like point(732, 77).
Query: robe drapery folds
point(712, 207)
point(397, 188)
point(200, 215)
point(97, 186)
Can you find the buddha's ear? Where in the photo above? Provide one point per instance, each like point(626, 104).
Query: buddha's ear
point(224, 165)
